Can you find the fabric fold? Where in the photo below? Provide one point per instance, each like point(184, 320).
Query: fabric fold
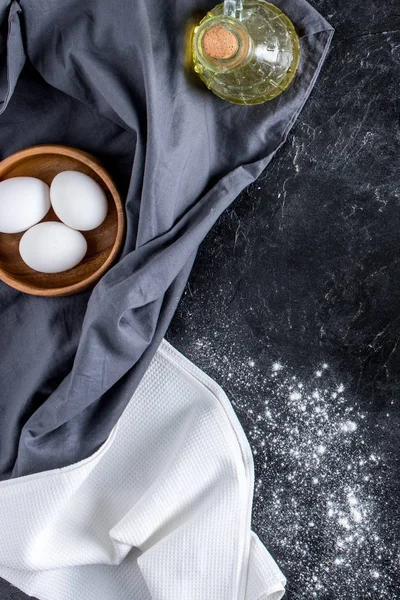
point(12, 53)
point(161, 512)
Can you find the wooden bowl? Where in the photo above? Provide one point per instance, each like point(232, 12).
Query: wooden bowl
point(104, 242)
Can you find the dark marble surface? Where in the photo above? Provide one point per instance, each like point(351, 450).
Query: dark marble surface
point(294, 308)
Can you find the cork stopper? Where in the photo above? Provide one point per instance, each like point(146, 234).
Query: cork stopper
point(220, 43)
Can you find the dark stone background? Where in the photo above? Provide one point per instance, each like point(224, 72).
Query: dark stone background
point(294, 308)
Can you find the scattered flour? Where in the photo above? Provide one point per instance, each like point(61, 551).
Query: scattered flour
point(319, 490)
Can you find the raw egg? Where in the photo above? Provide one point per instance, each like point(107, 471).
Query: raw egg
point(78, 200)
point(24, 201)
point(52, 247)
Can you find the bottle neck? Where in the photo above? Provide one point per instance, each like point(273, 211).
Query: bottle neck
point(233, 9)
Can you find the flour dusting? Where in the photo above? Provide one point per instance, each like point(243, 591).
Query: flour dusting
point(319, 488)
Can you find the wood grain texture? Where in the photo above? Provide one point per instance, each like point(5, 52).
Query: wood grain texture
point(104, 242)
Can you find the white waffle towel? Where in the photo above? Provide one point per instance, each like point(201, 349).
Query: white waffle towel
point(161, 512)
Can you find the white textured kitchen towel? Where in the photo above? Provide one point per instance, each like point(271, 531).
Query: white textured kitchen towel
point(161, 512)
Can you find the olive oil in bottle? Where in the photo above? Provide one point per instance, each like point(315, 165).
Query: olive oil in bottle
point(246, 52)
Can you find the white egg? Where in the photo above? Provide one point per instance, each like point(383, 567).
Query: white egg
point(78, 200)
point(52, 247)
point(24, 201)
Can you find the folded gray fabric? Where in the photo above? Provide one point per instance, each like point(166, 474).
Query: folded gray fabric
point(109, 77)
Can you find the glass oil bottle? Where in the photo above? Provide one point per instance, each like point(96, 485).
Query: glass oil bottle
point(246, 51)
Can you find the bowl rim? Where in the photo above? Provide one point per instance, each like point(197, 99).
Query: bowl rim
point(95, 164)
